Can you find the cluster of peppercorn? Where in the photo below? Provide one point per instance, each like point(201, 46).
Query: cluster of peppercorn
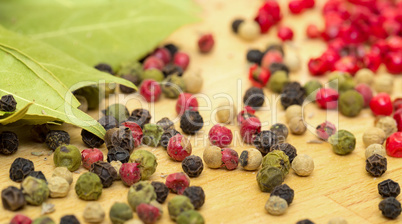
point(389, 206)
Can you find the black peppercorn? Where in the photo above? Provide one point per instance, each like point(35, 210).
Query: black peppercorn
point(116, 153)
point(172, 48)
point(192, 166)
point(8, 143)
point(108, 122)
point(106, 172)
point(120, 137)
point(20, 168)
point(235, 25)
point(104, 68)
point(276, 47)
point(196, 195)
point(389, 188)
point(305, 221)
point(281, 131)
point(264, 140)
point(293, 93)
point(165, 123)
point(90, 139)
point(285, 192)
point(140, 116)
point(12, 198)
point(135, 79)
point(69, 219)
point(166, 137)
point(8, 103)
point(39, 132)
point(254, 97)
point(172, 69)
point(161, 191)
point(390, 207)
point(376, 165)
point(56, 138)
point(287, 148)
point(273, 67)
point(255, 56)
point(38, 174)
point(191, 122)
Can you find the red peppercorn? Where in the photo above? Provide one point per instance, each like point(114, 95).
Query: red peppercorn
point(246, 111)
point(90, 156)
point(153, 62)
point(325, 130)
point(230, 159)
point(271, 57)
point(398, 119)
point(372, 61)
point(397, 104)
point(181, 59)
point(394, 43)
point(149, 214)
point(163, 54)
point(136, 131)
point(366, 92)
point(20, 219)
point(249, 128)
point(312, 31)
point(258, 76)
point(330, 57)
point(150, 90)
point(347, 64)
point(186, 101)
point(317, 66)
point(179, 147)
point(381, 105)
point(130, 173)
point(285, 33)
point(296, 6)
point(272, 8)
point(177, 182)
point(393, 62)
point(309, 3)
point(393, 145)
point(327, 98)
point(220, 136)
point(206, 43)
point(265, 21)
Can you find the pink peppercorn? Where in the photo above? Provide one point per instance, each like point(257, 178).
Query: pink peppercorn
point(186, 101)
point(397, 103)
point(20, 219)
point(182, 60)
point(271, 57)
point(309, 3)
point(327, 98)
point(90, 156)
point(244, 114)
point(265, 21)
point(179, 147)
point(317, 66)
point(347, 64)
point(312, 31)
point(250, 127)
point(325, 130)
point(206, 43)
point(296, 6)
point(393, 62)
point(130, 173)
point(220, 136)
point(398, 119)
point(366, 92)
point(136, 131)
point(372, 61)
point(381, 105)
point(149, 214)
point(230, 159)
point(163, 54)
point(272, 8)
point(150, 90)
point(285, 33)
point(177, 182)
point(153, 62)
point(393, 145)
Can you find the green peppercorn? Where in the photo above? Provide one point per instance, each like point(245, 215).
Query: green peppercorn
point(278, 159)
point(130, 68)
point(341, 81)
point(172, 86)
point(178, 205)
point(351, 103)
point(67, 156)
point(311, 87)
point(89, 187)
point(120, 212)
point(152, 134)
point(190, 217)
point(141, 192)
point(43, 220)
point(118, 111)
point(269, 177)
point(35, 190)
point(147, 161)
point(91, 94)
point(277, 81)
point(343, 142)
point(153, 74)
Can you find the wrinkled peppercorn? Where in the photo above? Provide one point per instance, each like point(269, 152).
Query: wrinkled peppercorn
point(105, 172)
point(292, 94)
point(12, 198)
point(191, 122)
point(235, 25)
point(35, 190)
point(278, 81)
point(285, 192)
point(196, 195)
point(108, 122)
point(190, 216)
point(264, 140)
point(178, 205)
point(161, 191)
point(254, 97)
point(389, 188)
point(120, 213)
point(141, 192)
point(277, 159)
point(166, 124)
point(281, 132)
point(116, 153)
point(20, 169)
point(287, 148)
point(254, 56)
point(343, 142)
point(69, 219)
point(8, 143)
point(172, 69)
point(135, 79)
point(94, 213)
point(273, 67)
point(88, 186)
point(172, 48)
point(140, 116)
point(192, 166)
point(68, 156)
point(376, 165)
point(56, 138)
point(118, 111)
point(350, 103)
point(147, 162)
point(390, 207)
point(121, 137)
point(152, 134)
point(166, 137)
point(8, 103)
point(172, 86)
point(91, 140)
point(276, 205)
point(269, 177)
point(37, 174)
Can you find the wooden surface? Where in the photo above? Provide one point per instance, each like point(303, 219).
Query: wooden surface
point(339, 185)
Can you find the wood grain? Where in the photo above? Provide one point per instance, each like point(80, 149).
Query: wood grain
point(339, 185)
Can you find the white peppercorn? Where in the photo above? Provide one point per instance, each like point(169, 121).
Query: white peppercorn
point(250, 159)
point(193, 82)
point(249, 30)
point(64, 173)
point(225, 112)
point(94, 213)
point(213, 157)
point(116, 165)
point(276, 205)
point(296, 126)
point(134, 221)
point(373, 136)
point(375, 149)
point(293, 111)
point(303, 165)
point(384, 83)
point(365, 76)
point(387, 124)
point(337, 220)
point(58, 187)
point(292, 60)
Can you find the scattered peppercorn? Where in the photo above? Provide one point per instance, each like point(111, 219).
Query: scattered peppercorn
point(213, 157)
point(172, 69)
point(105, 172)
point(293, 111)
point(177, 182)
point(20, 219)
point(171, 48)
point(254, 56)
point(305, 221)
point(166, 124)
point(390, 207)
point(276, 66)
point(186, 101)
point(254, 97)
point(64, 173)
point(192, 165)
point(281, 132)
point(20, 169)
point(196, 195)
point(264, 140)
point(296, 126)
point(69, 219)
point(292, 60)
point(285, 192)
point(120, 212)
point(178, 205)
point(141, 117)
point(365, 76)
point(68, 156)
point(135, 79)
point(190, 216)
point(230, 159)
point(35, 190)
point(38, 174)
point(248, 30)
point(191, 122)
point(276, 205)
point(387, 124)
point(375, 149)
point(148, 213)
point(278, 81)
point(8, 143)
point(351, 103)
point(161, 190)
point(246, 113)
point(193, 82)
point(343, 142)
point(376, 165)
point(166, 136)
point(249, 128)
point(56, 138)
point(206, 43)
point(373, 136)
point(311, 87)
point(118, 111)
point(172, 86)
point(147, 162)
point(287, 148)
point(8, 103)
point(225, 112)
point(341, 81)
point(12, 198)
point(250, 159)
point(58, 187)
point(108, 122)
point(303, 165)
point(94, 213)
point(88, 187)
point(150, 88)
point(384, 83)
point(121, 137)
point(141, 192)
point(278, 159)
point(91, 140)
point(90, 156)
point(269, 177)
point(116, 165)
point(43, 220)
point(220, 136)
point(235, 25)
point(292, 94)
point(181, 59)
point(115, 153)
point(389, 188)
point(325, 130)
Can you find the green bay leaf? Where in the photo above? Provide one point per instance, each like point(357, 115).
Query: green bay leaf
point(16, 116)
